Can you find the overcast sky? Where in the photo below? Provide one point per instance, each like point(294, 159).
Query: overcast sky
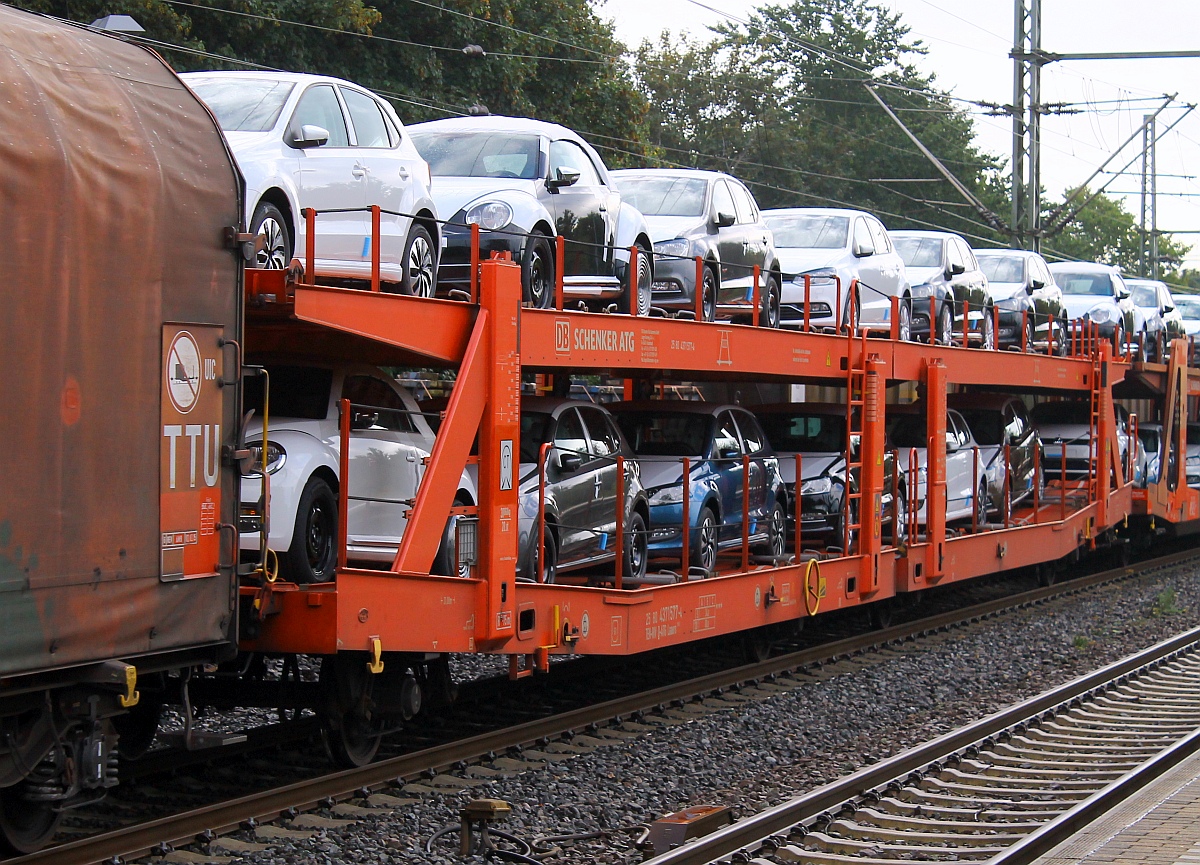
point(968, 43)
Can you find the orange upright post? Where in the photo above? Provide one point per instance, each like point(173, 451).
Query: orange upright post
point(1106, 434)
point(935, 472)
point(870, 536)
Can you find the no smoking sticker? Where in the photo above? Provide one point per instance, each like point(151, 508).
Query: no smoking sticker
point(183, 372)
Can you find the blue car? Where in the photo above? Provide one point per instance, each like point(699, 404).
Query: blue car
point(716, 439)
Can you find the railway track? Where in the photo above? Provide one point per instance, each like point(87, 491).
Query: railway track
point(1003, 790)
point(555, 732)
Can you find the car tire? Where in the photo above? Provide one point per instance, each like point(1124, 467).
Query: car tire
point(704, 541)
point(945, 322)
point(988, 329)
point(904, 322)
point(269, 223)
point(981, 505)
point(636, 548)
point(1030, 335)
point(547, 562)
point(776, 533)
point(1061, 340)
point(537, 272)
point(419, 277)
point(708, 289)
point(768, 315)
point(639, 293)
point(445, 563)
point(1118, 340)
point(312, 557)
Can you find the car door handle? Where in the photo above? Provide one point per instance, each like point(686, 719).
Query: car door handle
point(359, 171)
point(403, 173)
point(604, 208)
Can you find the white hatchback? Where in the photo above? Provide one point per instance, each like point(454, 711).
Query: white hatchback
point(309, 141)
point(389, 442)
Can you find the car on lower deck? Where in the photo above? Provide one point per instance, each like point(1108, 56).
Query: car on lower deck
point(999, 422)
point(1027, 300)
point(816, 432)
point(966, 475)
point(1068, 423)
point(944, 276)
point(712, 216)
point(720, 441)
point(389, 442)
point(830, 248)
point(524, 182)
point(310, 141)
point(579, 494)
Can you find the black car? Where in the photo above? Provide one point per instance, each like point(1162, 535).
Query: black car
point(997, 421)
point(523, 182)
point(580, 491)
point(940, 265)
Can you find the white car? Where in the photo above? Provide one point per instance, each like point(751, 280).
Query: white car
point(389, 441)
point(309, 141)
point(829, 245)
point(966, 472)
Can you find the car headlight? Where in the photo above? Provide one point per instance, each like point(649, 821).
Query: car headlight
point(1103, 314)
point(816, 486)
point(679, 246)
point(670, 495)
point(821, 276)
point(1193, 460)
point(252, 465)
point(922, 290)
point(1009, 303)
point(490, 215)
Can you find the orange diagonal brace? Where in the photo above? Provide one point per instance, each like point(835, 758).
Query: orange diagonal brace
point(438, 329)
point(450, 451)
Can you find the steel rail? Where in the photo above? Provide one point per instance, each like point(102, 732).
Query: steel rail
point(208, 821)
point(746, 834)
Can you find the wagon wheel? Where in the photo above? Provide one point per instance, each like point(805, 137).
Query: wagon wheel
point(25, 826)
point(350, 726)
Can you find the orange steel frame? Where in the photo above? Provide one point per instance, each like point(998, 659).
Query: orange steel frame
point(408, 610)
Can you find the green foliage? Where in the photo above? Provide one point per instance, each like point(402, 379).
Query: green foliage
point(1081, 642)
point(1165, 604)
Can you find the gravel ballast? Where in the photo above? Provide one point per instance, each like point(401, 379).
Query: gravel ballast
point(757, 752)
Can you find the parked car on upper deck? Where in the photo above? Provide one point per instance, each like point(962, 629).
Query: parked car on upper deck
point(1026, 297)
point(710, 215)
point(817, 432)
point(940, 264)
point(833, 248)
point(310, 141)
point(580, 491)
point(717, 439)
point(389, 441)
point(1097, 293)
point(523, 182)
point(1164, 322)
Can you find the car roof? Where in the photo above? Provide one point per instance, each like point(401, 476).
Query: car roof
point(553, 404)
point(1083, 267)
point(1008, 253)
point(673, 172)
point(917, 232)
point(980, 400)
point(815, 211)
point(496, 123)
point(824, 408)
point(680, 406)
point(1137, 280)
point(296, 77)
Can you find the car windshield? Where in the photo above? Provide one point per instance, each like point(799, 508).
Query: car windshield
point(296, 392)
point(1002, 268)
point(665, 434)
point(534, 427)
point(907, 431)
point(479, 154)
point(805, 433)
point(664, 196)
point(1188, 308)
point(919, 251)
point(1084, 282)
point(1061, 413)
point(243, 104)
point(809, 231)
point(1143, 295)
point(1193, 434)
point(1149, 439)
point(986, 423)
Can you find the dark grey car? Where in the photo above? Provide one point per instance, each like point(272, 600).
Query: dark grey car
point(941, 265)
point(710, 215)
point(1026, 298)
point(580, 491)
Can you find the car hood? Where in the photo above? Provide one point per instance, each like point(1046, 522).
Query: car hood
point(662, 471)
point(452, 194)
point(670, 227)
point(795, 259)
point(240, 142)
point(1067, 432)
point(1077, 305)
point(922, 275)
point(1191, 326)
point(812, 465)
point(1005, 290)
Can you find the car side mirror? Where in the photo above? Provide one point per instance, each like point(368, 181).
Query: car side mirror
point(310, 135)
point(569, 462)
point(956, 269)
point(1167, 309)
point(862, 250)
point(1122, 294)
point(951, 443)
point(724, 220)
point(563, 177)
point(361, 419)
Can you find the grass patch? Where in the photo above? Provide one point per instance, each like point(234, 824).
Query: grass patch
point(1081, 642)
point(1165, 604)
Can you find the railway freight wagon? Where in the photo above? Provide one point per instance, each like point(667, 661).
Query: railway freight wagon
point(119, 386)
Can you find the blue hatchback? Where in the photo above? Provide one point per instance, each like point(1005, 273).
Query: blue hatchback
point(717, 439)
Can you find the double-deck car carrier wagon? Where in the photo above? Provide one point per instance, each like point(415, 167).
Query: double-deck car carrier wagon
point(121, 332)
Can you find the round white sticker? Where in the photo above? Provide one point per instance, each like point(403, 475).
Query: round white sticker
point(183, 372)
point(584, 626)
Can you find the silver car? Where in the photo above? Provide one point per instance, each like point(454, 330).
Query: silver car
point(710, 215)
point(1097, 293)
point(940, 265)
point(833, 248)
point(1026, 297)
point(1163, 321)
